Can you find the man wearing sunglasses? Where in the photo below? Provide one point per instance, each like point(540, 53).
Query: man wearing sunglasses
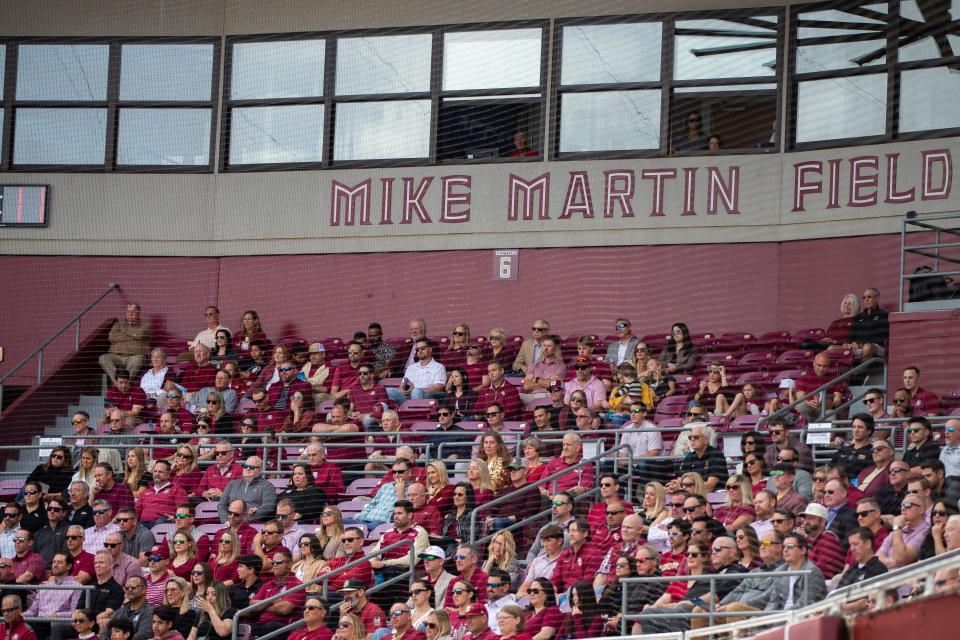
point(402, 624)
point(532, 348)
point(824, 547)
point(468, 568)
point(705, 459)
point(546, 371)
point(13, 625)
point(361, 573)
point(891, 495)
point(433, 558)
point(280, 394)
point(135, 608)
point(921, 447)
point(253, 489)
point(284, 611)
point(902, 546)
point(871, 479)
point(355, 601)
point(584, 381)
point(950, 454)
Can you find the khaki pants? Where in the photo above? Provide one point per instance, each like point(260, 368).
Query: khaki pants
point(109, 362)
point(700, 623)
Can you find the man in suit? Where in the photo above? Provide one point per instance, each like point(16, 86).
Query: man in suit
point(531, 348)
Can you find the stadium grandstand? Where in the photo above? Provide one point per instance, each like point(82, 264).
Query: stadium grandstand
point(686, 365)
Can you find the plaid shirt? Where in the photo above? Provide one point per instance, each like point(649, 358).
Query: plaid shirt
point(55, 603)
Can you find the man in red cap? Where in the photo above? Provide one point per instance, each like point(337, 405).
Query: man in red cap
point(477, 624)
point(158, 559)
point(585, 381)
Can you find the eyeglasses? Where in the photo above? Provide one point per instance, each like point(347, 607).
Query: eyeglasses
point(778, 520)
point(905, 505)
point(397, 614)
point(615, 513)
point(719, 549)
point(538, 328)
point(559, 503)
point(431, 557)
point(897, 470)
point(56, 456)
point(100, 512)
point(899, 401)
point(751, 462)
point(695, 437)
point(234, 514)
point(782, 459)
point(830, 492)
point(271, 532)
point(182, 516)
point(460, 556)
point(174, 395)
point(870, 400)
point(694, 414)
point(155, 558)
point(459, 333)
point(74, 621)
point(78, 421)
point(344, 625)
point(431, 625)
point(250, 466)
point(776, 474)
point(697, 531)
point(690, 509)
point(179, 541)
point(364, 372)
point(285, 369)
point(865, 513)
point(74, 537)
point(213, 401)
point(492, 413)
point(694, 554)
point(676, 505)
point(351, 539)
point(260, 400)
point(30, 492)
point(607, 485)
point(458, 592)
point(312, 607)
point(131, 587)
point(769, 543)
point(327, 514)
point(622, 325)
point(638, 410)
point(790, 545)
point(106, 545)
point(10, 515)
point(731, 487)
point(581, 367)
point(118, 519)
point(688, 483)
point(196, 572)
point(20, 540)
point(938, 513)
point(534, 591)
point(675, 534)
point(55, 509)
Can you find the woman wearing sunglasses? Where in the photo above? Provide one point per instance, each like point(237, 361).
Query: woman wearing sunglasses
point(437, 625)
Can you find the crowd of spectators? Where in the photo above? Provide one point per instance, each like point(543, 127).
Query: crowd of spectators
point(126, 518)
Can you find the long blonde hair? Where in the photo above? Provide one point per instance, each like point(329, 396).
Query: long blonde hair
point(234, 547)
point(486, 481)
point(357, 629)
point(337, 524)
point(661, 503)
point(699, 487)
point(746, 489)
point(509, 552)
point(132, 478)
point(193, 458)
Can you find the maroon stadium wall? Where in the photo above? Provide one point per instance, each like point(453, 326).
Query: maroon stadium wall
point(734, 287)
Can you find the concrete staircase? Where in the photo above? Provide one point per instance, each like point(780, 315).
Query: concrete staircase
point(29, 458)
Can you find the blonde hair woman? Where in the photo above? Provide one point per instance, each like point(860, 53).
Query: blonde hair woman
point(653, 509)
point(135, 474)
point(330, 532)
point(88, 459)
point(478, 475)
point(438, 625)
point(350, 628)
point(502, 554)
point(838, 333)
point(186, 474)
point(224, 560)
point(737, 509)
point(692, 482)
point(176, 594)
point(439, 489)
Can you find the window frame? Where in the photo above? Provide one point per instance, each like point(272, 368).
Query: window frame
point(112, 104)
point(667, 82)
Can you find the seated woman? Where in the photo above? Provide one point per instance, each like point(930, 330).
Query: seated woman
point(223, 350)
point(54, 475)
point(456, 525)
point(663, 385)
point(493, 451)
point(249, 331)
point(460, 397)
point(478, 475)
point(708, 394)
point(455, 355)
point(308, 498)
point(838, 333)
point(546, 620)
point(679, 355)
point(737, 509)
point(584, 619)
point(681, 591)
point(439, 489)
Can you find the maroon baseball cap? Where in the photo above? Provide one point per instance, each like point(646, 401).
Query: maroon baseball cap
point(476, 609)
point(581, 360)
point(160, 550)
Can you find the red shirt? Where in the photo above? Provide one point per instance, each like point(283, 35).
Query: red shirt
point(271, 588)
point(188, 481)
point(365, 399)
point(19, 631)
point(597, 516)
point(486, 635)
point(410, 634)
point(223, 572)
point(135, 396)
point(479, 581)
point(443, 501)
point(195, 378)
point(32, 562)
point(506, 395)
point(362, 571)
point(924, 403)
point(297, 385)
point(580, 477)
point(393, 536)
point(322, 633)
point(429, 518)
point(372, 617)
point(672, 565)
point(810, 381)
point(827, 554)
point(345, 377)
point(214, 478)
point(154, 503)
point(329, 478)
point(266, 574)
point(83, 561)
point(573, 566)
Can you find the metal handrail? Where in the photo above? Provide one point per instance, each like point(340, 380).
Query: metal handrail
point(924, 569)
point(324, 580)
point(911, 220)
point(712, 577)
point(39, 350)
point(551, 478)
point(822, 390)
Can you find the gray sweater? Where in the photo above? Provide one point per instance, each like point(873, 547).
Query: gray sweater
point(259, 493)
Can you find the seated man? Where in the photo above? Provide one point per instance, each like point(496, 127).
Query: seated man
point(129, 344)
point(236, 521)
point(547, 371)
point(280, 394)
point(902, 546)
point(870, 328)
point(347, 376)
point(921, 447)
point(704, 459)
point(13, 625)
point(361, 573)
point(379, 510)
point(253, 489)
point(543, 566)
point(355, 601)
point(282, 612)
point(208, 336)
point(425, 378)
point(501, 392)
point(200, 372)
point(576, 481)
point(221, 384)
point(248, 570)
point(123, 396)
point(589, 384)
point(810, 381)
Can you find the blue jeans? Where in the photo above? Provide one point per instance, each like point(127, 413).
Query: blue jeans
point(398, 396)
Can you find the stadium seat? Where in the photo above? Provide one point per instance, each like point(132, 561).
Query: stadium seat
point(415, 410)
point(671, 407)
point(279, 483)
point(656, 341)
point(745, 423)
point(351, 506)
point(795, 357)
point(776, 340)
point(705, 341)
point(792, 374)
point(210, 528)
point(10, 488)
point(207, 513)
point(541, 401)
point(373, 536)
point(739, 341)
point(161, 530)
point(757, 360)
point(361, 487)
point(814, 335)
